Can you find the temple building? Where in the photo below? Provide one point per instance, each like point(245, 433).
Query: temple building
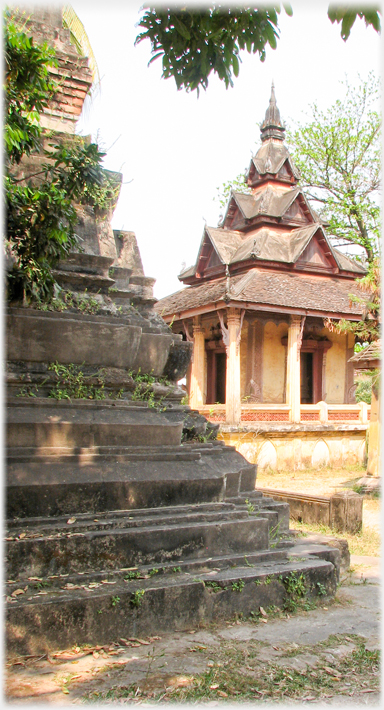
point(257, 301)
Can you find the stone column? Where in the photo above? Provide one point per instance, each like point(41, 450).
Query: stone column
point(233, 397)
point(293, 368)
point(196, 397)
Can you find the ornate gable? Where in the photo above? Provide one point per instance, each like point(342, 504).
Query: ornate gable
point(208, 258)
point(298, 211)
point(272, 163)
point(317, 255)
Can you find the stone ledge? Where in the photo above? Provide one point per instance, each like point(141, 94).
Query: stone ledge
point(278, 428)
point(341, 511)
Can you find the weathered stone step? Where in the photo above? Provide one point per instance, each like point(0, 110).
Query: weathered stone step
point(266, 507)
point(154, 513)
point(141, 607)
point(50, 486)
point(58, 527)
point(75, 489)
point(95, 577)
point(84, 426)
point(89, 454)
point(105, 341)
point(128, 547)
point(184, 452)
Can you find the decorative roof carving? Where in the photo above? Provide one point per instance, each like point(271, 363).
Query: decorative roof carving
point(272, 158)
point(272, 126)
point(305, 248)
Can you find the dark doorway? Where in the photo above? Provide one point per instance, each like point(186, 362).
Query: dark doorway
point(221, 374)
point(216, 376)
point(306, 378)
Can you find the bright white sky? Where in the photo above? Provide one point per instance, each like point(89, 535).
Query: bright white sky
point(175, 149)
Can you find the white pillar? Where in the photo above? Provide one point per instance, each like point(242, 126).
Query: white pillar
point(232, 398)
point(293, 368)
point(196, 396)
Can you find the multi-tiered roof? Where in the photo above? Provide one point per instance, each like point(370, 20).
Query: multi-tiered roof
point(271, 248)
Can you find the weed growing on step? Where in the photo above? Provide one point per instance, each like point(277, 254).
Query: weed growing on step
point(137, 597)
point(115, 601)
point(42, 584)
point(143, 391)
point(175, 570)
point(274, 535)
point(153, 571)
point(296, 589)
point(132, 574)
point(358, 489)
point(238, 586)
point(250, 507)
point(321, 590)
point(199, 438)
point(55, 304)
point(147, 378)
point(72, 383)
point(29, 390)
point(210, 584)
point(84, 303)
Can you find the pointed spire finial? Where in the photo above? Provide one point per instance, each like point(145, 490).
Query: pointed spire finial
point(272, 126)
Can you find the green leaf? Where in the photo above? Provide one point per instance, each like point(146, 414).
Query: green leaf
point(181, 28)
point(372, 18)
point(347, 23)
point(235, 64)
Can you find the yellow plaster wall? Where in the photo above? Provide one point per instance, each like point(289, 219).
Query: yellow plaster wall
point(273, 363)
point(335, 368)
point(294, 451)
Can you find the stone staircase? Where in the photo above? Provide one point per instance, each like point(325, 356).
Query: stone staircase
point(115, 541)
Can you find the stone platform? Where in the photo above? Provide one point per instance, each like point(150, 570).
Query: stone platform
point(126, 540)
point(124, 517)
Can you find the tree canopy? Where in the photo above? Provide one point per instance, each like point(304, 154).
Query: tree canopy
point(28, 88)
point(194, 42)
point(40, 212)
point(367, 329)
point(338, 153)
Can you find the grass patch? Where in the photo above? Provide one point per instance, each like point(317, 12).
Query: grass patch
point(366, 542)
point(321, 481)
point(236, 672)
